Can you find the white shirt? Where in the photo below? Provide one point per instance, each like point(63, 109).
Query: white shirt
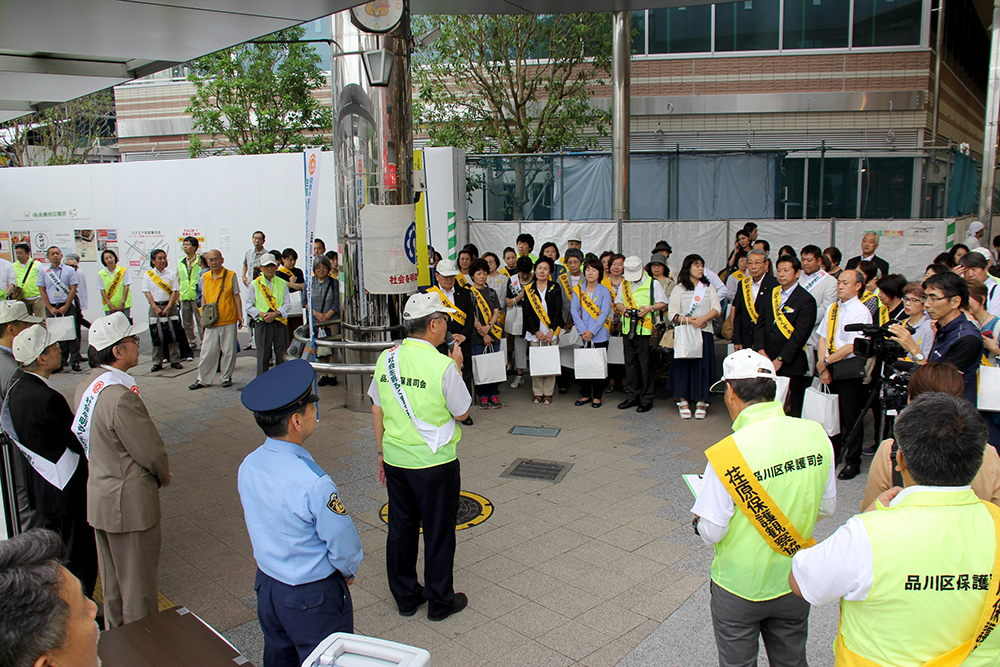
point(154, 290)
point(823, 288)
point(43, 379)
point(785, 293)
point(680, 304)
point(456, 394)
point(659, 296)
point(721, 289)
point(7, 277)
point(755, 286)
point(851, 312)
point(843, 565)
point(924, 335)
point(250, 304)
point(992, 299)
point(715, 506)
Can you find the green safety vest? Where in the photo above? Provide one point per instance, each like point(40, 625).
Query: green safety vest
point(107, 278)
point(278, 289)
point(421, 370)
point(934, 554)
point(29, 287)
point(791, 458)
point(188, 281)
point(641, 296)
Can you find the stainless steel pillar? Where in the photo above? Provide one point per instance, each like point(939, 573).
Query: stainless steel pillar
point(992, 112)
point(621, 90)
point(372, 141)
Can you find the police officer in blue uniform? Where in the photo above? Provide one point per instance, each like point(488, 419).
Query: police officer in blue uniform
point(306, 546)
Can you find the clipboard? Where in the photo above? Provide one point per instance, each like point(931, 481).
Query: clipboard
point(694, 483)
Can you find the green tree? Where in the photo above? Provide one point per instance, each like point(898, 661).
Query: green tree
point(257, 97)
point(67, 133)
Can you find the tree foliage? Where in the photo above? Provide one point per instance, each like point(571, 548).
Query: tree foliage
point(68, 133)
point(512, 83)
point(257, 97)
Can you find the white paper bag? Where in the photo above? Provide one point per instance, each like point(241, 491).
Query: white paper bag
point(566, 357)
point(687, 342)
point(569, 338)
point(544, 360)
point(730, 349)
point(590, 363)
point(489, 367)
point(988, 395)
point(781, 392)
point(514, 322)
point(63, 328)
point(823, 407)
point(616, 350)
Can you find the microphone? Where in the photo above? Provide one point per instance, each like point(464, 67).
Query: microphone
point(857, 327)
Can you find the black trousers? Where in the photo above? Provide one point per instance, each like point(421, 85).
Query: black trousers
point(270, 337)
point(594, 389)
point(851, 395)
point(639, 370)
point(69, 350)
point(295, 619)
point(797, 385)
point(429, 496)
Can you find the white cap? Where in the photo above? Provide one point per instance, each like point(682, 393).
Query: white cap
point(16, 311)
point(447, 267)
point(744, 365)
point(576, 238)
point(422, 305)
point(985, 253)
point(975, 227)
point(267, 259)
point(108, 330)
point(31, 342)
point(633, 268)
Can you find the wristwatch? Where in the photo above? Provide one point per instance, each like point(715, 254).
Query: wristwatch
point(919, 356)
point(694, 524)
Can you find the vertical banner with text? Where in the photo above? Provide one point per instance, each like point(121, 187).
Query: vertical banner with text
point(389, 248)
point(310, 163)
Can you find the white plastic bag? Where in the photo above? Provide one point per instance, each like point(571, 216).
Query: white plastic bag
point(688, 342)
point(489, 367)
point(590, 363)
point(569, 338)
point(781, 392)
point(544, 360)
point(988, 394)
point(823, 407)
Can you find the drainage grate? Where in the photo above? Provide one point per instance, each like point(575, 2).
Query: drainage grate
point(550, 471)
point(536, 431)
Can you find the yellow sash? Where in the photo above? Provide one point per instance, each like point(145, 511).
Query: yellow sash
point(505, 271)
point(883, 312)
point(958, 655)
point(591, 307)
point(780, 318)
point(536, 305)
point(461, 280)
point(748, 298)
point(115, 281)
point(484, 311)
point(458, 315)
point(751, 499)
point(739, 275)
point(160, 282)
point(564, 280)
point(629, 300)
point(831, 328)
point(269, 297)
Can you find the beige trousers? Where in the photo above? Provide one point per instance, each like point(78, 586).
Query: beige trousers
point(129, 563)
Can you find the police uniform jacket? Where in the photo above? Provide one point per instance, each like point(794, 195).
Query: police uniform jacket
point(800, 309)
point(128, 461)
point(743, 325)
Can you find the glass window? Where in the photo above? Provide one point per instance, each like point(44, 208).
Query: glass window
point(747, 25)
point(887, 22)
point(840, 187)
point(680, 29)
point(816, 24)
point(887, 187)
point(639, 32)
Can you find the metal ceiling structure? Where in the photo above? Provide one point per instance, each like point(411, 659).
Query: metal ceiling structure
point(52, 51)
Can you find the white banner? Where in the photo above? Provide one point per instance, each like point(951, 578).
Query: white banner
point(310, 164)
point(388, 248)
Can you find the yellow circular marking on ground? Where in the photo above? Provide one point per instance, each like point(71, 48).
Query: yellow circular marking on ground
point(473, 509)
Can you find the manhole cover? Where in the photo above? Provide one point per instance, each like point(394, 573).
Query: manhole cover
point(473, 509)
point(550, 471)
point(537, 431)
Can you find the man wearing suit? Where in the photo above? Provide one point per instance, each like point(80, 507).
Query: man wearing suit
point(752, 298)
point(823, 288)
point(785, 324)
point(128, 465)
point(869, 244)
point(40, 420)
point(461, 322)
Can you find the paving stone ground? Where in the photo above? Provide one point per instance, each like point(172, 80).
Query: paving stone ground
point(601, 569)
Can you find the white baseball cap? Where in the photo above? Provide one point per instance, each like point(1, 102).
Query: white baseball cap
point(744, 365)
point(576, 238)
point(447, 267)
point(267, 259)
point(633, 268)
point(985, 253)
point(422, 305)
point(16, 311)
point(108, 330)
point(31, 342)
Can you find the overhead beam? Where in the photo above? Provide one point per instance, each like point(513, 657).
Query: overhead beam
point(64, 67)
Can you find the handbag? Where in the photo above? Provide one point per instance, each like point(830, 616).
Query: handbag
point(514, 322)
point(852, 368)
point(616, 350)
point(667, 341)
point(823, 407)
point(210, 311)
point(544, 360)
point(988, 392)
point(688, 342)
point(590, 363)
point(489, 367)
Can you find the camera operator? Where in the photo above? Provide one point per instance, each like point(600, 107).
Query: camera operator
point(841, 369)
point(957, 341)
point(889, 293)
point(883, 475)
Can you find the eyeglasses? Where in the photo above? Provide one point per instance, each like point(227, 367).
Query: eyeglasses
point(134, 339)
point(912, 299)
point(931, 297)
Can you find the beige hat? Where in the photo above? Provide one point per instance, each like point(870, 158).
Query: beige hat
point(31, 342)
point(16, 311)
point(108, 330)
point(267, 259)
point(633, 268)
point(422, 305)
point(447, 267)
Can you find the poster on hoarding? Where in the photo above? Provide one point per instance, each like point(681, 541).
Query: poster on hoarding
point(86, 244)
point(388, 246)
point(5, 247)
point(138, 244)
point(40, 242)
point(107, 239)
point(64, 241)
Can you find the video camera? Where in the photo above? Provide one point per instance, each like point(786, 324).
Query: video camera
point(877, 341)
point(895, 392)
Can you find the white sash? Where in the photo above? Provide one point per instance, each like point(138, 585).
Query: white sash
point(55, 281)
point(435, 436)
point(699, 294)
point(82, 421)
point(57, 474)
point(812, 283)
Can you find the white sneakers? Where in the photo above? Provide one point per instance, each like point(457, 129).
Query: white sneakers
point(518, 381)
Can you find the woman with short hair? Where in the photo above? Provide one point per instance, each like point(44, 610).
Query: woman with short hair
point(487, 332)
point(591, 310)
point(116, 292)
point(542, 306)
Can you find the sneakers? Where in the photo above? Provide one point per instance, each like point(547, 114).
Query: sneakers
point(495, 402)
point(484, 403)
point(518, 381)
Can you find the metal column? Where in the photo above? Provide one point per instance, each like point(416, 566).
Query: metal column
point(372, 139)
point(621, 86)
point(990, 140)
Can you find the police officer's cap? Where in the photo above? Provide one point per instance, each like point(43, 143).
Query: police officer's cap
point(285, 388)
